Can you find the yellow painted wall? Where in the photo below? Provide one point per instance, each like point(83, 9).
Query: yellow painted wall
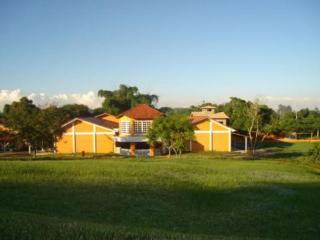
point(83, 127)
point(220, 142)
point(110, 118)
point(126, 119)
point(100, 129)
point(104, 143)
point(217, 127)
point(200, 142)
point(84, 143)
point(64, 144)
point(205, 125)
point(68, 128)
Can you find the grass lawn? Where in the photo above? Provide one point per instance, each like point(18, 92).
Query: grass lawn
point(200, 196)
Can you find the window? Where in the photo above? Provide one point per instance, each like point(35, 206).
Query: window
point(221, 121)
point(125, 127)
point(141, 127)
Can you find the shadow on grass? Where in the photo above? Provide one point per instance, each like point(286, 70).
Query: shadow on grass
point(274, 144)
point(23, 156)
point(283, 150)
point(149, 211)
point(278, 155)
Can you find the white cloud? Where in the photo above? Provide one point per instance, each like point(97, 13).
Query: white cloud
point(90, 98)
point(294, 102)
point(8, 96)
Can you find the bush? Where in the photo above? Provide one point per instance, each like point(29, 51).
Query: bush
point(314, 153)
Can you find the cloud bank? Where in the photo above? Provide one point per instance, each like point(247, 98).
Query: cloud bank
point(92, 100)
point(89, 98)
point(294, 102)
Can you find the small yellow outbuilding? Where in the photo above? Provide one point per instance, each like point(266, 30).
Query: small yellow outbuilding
point(93, 135)
point(210, 135)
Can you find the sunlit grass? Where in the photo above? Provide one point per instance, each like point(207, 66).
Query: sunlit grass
point(200, 196)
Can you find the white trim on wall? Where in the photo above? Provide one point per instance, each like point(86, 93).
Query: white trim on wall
point(210, 135)
point(83, 120)
point(230, 141)
point(89, 133)
point(213, 131)
point(73, 138)
point(94, 139)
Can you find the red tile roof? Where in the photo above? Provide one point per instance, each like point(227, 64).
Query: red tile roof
point(141, 112)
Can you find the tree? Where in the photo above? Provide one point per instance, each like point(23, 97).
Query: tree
point(236, 109)
point(24, 118)
point(74, 110)
point(125, 98)
point(284, 110)
point(179, 110)
point(308, 121)
point(52, 118)
point(172, 131)
point(261, 121)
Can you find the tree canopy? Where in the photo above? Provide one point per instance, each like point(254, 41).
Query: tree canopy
point(173, 131)
point(24, 118)
point(37, 127)
point(125, 98)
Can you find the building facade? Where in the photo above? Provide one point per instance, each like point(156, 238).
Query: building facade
point(125, 134)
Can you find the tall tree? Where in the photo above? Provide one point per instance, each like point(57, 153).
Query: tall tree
point(261, 121)
point(125, 98)
point(75, 110)
point(52, 118)
point(24, 118)
point(236, 109)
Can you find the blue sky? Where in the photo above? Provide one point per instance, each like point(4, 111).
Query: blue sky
point(184, 51)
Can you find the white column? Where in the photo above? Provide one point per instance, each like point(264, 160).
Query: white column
point(210, 140)
point(73, 139)
point(230, 146)
point(54, 145)
point(94, 139)
point(245, 144)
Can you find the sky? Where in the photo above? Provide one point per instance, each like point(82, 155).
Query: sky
point(184, 51)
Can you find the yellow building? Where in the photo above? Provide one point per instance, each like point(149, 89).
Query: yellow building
point(125, 134)
point(133, 126)
point(89, 134)
point(211, 132)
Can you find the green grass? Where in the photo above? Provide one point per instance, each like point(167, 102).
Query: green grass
point(301, 147)
point(201, 196)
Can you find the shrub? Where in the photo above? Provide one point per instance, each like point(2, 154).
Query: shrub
point(314, 153)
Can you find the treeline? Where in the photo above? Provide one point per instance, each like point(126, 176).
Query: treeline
point(283, 121)
point(38, 127)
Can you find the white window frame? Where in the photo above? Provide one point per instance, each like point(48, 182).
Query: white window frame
point(141, 126)
point(124, 127)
